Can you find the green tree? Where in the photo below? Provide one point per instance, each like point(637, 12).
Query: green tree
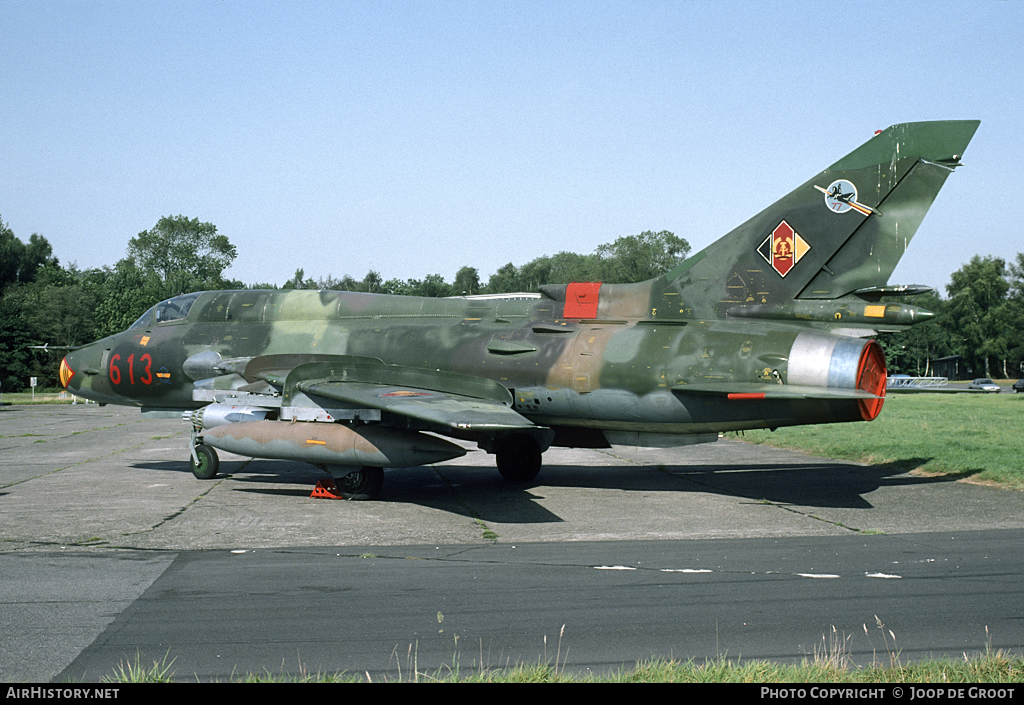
point(504, 281)
point(32, 308)
point(299, 281)
point(186, 254)
point(434, 285)
point(1016, 278)
point(636, 258)
point(1015, 316)
point(372, 282)
point(467, 282)
point(15, 339)
point(53, 310)
point(20, 262)
point(633, 258)
point(11, 249)
point(38, 253)
point(912, 351)
point(977, 313)
point(124, 293)
point(534, 274)
point(178, 255)
point(400, 288)
point(58, 309)
point(572, 267)
point(346, 283)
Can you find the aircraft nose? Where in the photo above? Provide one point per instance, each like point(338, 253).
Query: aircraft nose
point(79, 370)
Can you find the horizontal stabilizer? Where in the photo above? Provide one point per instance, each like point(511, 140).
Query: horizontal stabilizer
point(755, 390)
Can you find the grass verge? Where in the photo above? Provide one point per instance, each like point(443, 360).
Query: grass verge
point(985, 668)
point(42, 396)
point(976, 436)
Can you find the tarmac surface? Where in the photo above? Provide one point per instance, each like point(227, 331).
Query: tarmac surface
point(106, 538)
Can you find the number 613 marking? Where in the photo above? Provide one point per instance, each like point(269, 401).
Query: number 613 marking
point(145, 362)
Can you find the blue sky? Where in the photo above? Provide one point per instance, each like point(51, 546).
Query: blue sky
point(416, 137)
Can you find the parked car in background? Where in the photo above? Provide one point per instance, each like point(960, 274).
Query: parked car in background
point(984, 384)
point(1018, 386)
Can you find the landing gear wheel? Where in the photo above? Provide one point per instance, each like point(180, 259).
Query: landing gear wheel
point(361, 484)
point(518, 458)
point(209, 463)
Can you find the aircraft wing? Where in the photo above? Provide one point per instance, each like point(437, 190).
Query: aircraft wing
point(460, 413)
point(461, 404)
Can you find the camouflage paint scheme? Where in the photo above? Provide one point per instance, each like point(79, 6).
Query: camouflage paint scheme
point(769, 326)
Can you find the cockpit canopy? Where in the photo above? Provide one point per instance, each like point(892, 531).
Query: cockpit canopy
point(174, 309)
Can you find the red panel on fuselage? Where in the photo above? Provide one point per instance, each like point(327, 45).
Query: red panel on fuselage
point(581, 299)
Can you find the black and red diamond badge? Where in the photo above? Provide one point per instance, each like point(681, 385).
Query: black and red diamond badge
point(783, 248)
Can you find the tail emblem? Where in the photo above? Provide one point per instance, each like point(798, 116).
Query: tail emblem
point(841, 196)
point(783, 248)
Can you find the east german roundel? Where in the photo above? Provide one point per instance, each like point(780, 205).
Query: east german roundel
point(783, 248)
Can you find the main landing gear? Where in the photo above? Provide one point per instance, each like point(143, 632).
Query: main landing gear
point(359, 484)
point(518, 457)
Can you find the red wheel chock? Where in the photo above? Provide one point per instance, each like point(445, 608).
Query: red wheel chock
point(326, 489)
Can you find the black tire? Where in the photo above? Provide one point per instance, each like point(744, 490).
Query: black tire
point(518, 458)
point(208, 465)
point(362, 484)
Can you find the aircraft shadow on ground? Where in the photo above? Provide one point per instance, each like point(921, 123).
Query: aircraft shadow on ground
point(825, 485)
point(480, 492)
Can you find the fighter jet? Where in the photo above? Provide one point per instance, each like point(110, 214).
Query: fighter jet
point(769, 326)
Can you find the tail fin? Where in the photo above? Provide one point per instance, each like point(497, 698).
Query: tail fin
point(840, 233)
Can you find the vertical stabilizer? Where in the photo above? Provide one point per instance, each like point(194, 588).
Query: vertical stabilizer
point(843, 230)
